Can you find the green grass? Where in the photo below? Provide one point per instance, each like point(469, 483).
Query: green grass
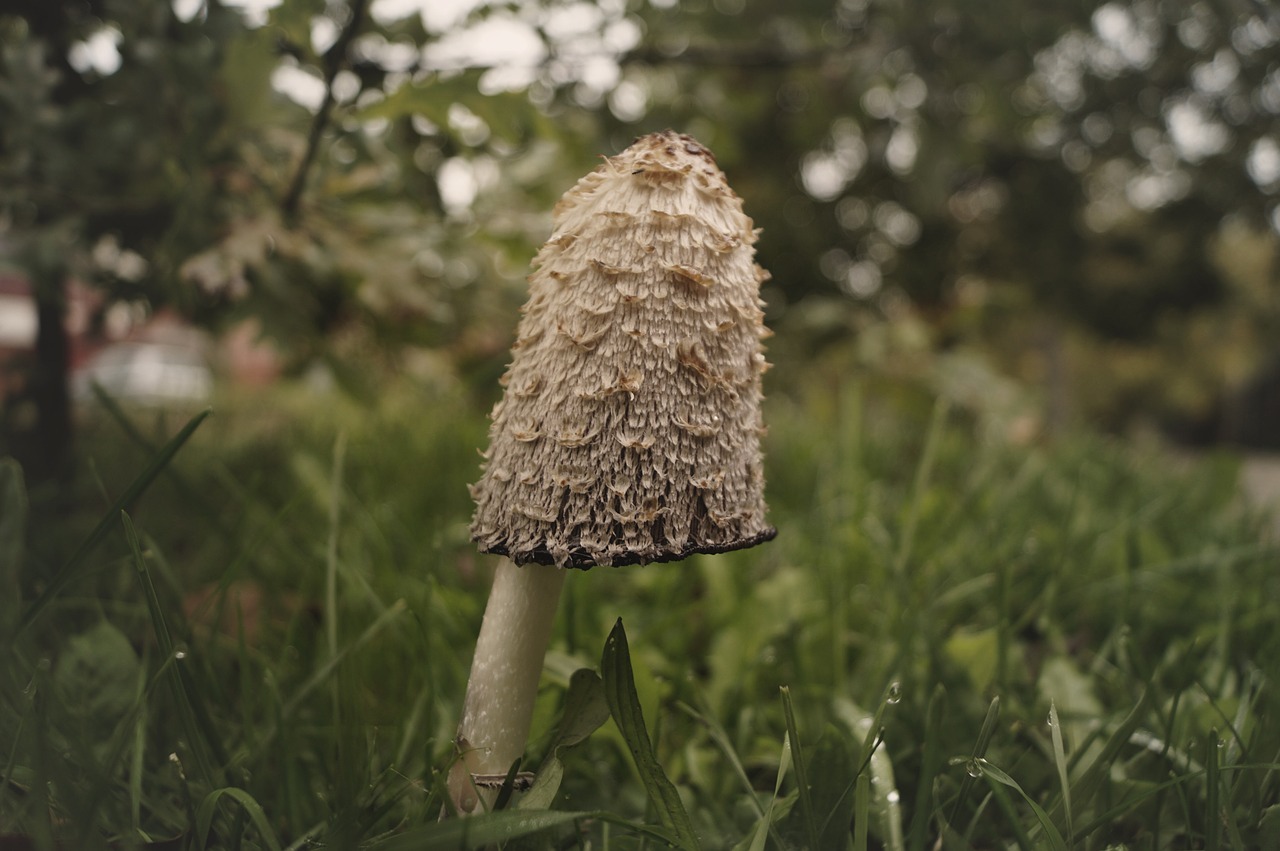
point(259, 638)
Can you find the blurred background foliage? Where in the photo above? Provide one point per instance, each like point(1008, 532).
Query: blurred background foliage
point(1067, 209)
point(1047, 214)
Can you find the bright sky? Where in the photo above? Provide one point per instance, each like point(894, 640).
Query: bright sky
point(437, 15)
point(588, 34)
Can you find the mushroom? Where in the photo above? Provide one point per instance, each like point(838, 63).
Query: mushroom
point(629, 431)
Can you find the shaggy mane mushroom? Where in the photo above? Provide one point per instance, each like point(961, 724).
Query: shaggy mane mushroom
point(629, 429)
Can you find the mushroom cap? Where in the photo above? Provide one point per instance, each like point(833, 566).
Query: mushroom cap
point(629, 429)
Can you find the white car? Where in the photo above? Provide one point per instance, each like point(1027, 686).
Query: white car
point(146, 373)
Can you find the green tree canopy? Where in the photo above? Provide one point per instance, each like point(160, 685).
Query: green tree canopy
point(1006, 175)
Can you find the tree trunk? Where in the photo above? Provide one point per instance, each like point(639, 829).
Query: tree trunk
point(41, 435)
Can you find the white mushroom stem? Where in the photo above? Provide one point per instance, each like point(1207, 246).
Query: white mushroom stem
point(498, 709)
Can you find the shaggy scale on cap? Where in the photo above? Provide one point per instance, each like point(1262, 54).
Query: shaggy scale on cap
point(630, 424)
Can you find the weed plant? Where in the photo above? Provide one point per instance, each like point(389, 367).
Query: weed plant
point(253, 632)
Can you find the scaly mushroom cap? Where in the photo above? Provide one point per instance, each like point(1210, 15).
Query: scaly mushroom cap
point(630, 424)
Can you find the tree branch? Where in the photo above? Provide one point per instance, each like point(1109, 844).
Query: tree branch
point(334, 59)
point(730, 56)
point(747, 57)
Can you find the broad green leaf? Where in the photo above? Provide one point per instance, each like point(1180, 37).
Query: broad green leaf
point(97, 678)
point(586, 708)
point(1072, 693)
point(624, 706)
point(1269, 827)
point(542, 794)
point(976, 653)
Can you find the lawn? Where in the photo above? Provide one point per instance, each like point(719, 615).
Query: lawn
point(253, 629)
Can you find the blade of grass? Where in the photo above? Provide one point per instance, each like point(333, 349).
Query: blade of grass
point(1240, 750)
point(413, 723)
point(924, 472)
point(344, 742)
point(1087, 786)
point(1233, 726)
point(764, 827)
point(832, 773)
point(41, 826)
point(306, 840)
point(325, 670)
point(131, 729)
point(1212, 793)
point(930, 765)
point(196, 496)
point(624, 706)
point(721, 739)
point(208, 807)
point(1021, 839)
point(861, 811)
point(200, 736)
point(972, 772)
point(1109, 817)
point(877, 765)
point(508, 787)
point(1224, 560)
point(490, 829)
point(870, 727)
point(131, 495)
point(802, 777)
point(322, 674)
point(331, 551)
point(1060, 761)
point(989, 771)
point(886, 800)
point(136, 764)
